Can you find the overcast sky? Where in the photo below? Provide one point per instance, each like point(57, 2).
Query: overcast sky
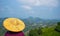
point(46, 9)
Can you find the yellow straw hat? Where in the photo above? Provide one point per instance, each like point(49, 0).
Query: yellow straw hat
point(14, 24)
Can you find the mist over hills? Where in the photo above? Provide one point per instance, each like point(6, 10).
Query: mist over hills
point(39, 20)
point(34, 20)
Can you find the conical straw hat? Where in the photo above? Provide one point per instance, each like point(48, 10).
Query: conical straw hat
point(14, 24)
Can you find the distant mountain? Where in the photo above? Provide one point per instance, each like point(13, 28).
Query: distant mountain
point(34, 22)
point(37, 20)
point(1, 21)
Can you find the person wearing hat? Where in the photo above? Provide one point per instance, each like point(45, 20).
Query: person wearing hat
point(14, 26)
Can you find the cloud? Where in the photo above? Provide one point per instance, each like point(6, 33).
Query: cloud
point(26, 7)
point(50, 3)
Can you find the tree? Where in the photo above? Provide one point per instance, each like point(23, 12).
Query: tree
point(35, 32)
point(39, 31)
point(58, 27)
point(58, 23)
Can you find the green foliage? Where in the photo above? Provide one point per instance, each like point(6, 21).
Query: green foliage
point(58, 27)
point(50, 31)
point(35, 32)
point(58, 23)
point(39, 31)
point(47, 31)
point(2, 31)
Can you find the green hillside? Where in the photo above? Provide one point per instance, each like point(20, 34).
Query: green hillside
point(37, 27)
point(47, 31)
point(53, 30)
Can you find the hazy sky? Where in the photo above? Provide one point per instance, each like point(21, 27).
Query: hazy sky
point(46, 9)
